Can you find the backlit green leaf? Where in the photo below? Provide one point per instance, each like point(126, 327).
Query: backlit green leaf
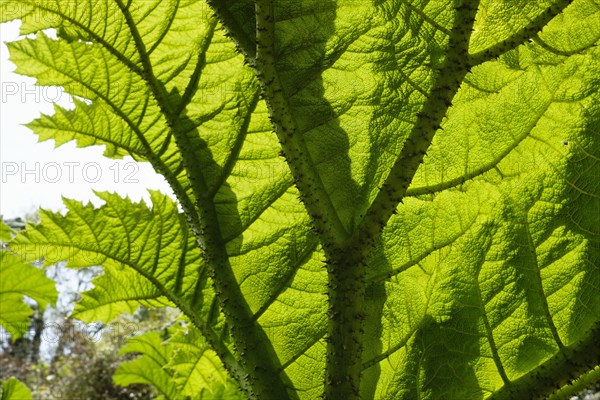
point(446, 151)
point(13, 389)
point(18, 279)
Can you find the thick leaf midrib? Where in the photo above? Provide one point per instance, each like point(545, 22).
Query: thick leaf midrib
point(182, 258)
point(154, 160)
point(307, 178)
point(204, 221)
point(447, 82)
point(568, 205)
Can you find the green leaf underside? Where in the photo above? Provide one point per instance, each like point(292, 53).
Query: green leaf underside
point(195, 367)
point(179, 366)
point(5, 232)
point(148, 368)
point(13, 389)
point(18, 279)
point(491, 265)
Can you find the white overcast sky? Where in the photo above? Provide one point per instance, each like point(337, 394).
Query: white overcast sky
point(38, 175)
